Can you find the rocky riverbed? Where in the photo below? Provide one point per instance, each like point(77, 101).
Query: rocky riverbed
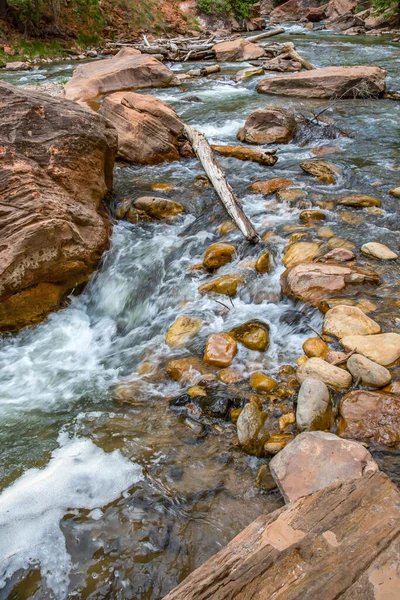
point(153, 403)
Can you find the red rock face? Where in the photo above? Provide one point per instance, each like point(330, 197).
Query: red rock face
point(148, 129)
point(370, 417)
point(128, 70)
point(57, 165)
point(344, 82)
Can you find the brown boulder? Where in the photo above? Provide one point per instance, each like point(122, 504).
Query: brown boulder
point(220, 350)
point(272, 125)
point(158, 208)
point(359, 201)
point(148, 129)
point(253, 335)
point(270, 186)
point(312, 282)
point(335, 8)
point(262, 383)
point(316, 460)
point(237, 50)
point(329, 82)
point(226, 285)
point(370, 417)
point(185, 369)
point(345, 320)
point(56, 167)
point(292, 10)
point(217, 255)
point(128, 70)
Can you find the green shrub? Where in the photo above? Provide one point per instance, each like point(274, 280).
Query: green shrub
point(242, 9)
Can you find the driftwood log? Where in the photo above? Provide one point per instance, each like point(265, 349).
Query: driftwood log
point(265, 34)
point(218, 179)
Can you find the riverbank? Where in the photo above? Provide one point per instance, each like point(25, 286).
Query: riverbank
point(186, 486)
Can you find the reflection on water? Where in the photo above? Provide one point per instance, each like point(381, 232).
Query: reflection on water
point(132, 497)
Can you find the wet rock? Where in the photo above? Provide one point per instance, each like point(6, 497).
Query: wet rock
point(186, 369)
point(333, 461)
point(338, 255)
point(283, 64)
point(358, 201)
point(226, 227)
point(264, 479)
point(277, 442)
point(378, 251)
point(290, 196)
point(237, 50)
point(230, 375)
point(196, 391)
point(320, 169)
point(312, 282)
point(395, 192)
point(346, 82)
point(263, 157)
point(158, 208)
point(268, 126)
point(370, 373)
point(315, 347)
point(271, 186)
point(253, 335)
point(249, 426)
point(345, 320)
point(383, 348)
point(182, 331)
point(313, 406)
point(128, 70)
point(56, 167)
point(262, 383)
point(263, 263)
point(226, 285)
point(220, 350)
point(217, 255)
point(316, 368)
point(301, 252)
point(370, 417)
point(216, 405)
point(286, 421)
point(336, 242)
point(312, 215)
point(148, 129)
point(244, 74)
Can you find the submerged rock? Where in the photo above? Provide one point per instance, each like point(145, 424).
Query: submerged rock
point(264, 479)
point(226, 285)
point(329, 82)
point(312, 282)
point(262, 383)
point(253, 334)
point(313, 406)
point(358, 201)
point(217, 255)
point(249, 426)
point(268, 126)
point(370, 417)
point(345, 320)
point(158, 208)
point(128, 70)
point(383, 348)
point(317, 368)
point(378, 251)
point(271, 186)
point(57, 164)
point(185, 369)
point(333, 461)
point(338, 255)
point(182, 331)
point(370, 373)
point(263, 263)
point(220, 350)
point(301, 252)
point(321, 169)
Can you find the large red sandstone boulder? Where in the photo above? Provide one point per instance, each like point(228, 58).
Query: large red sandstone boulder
point(56, 167)
point(128, 70)
point(340, 542)
point(340, 82)
point(335, 8)
point(268, 126)
point(237, 50)
point(312, 282)
point(370, 417)
point(148, 129)
point(292, 10)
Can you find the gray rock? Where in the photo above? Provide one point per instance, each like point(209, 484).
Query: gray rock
point(317, 368)
point(313, 405)
point(370, 372)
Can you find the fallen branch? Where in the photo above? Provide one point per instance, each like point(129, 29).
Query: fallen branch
point(266, 34)
point(226, 194)
point(341, 361)
point(296, 56)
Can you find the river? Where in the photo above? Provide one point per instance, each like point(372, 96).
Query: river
point(107, 500)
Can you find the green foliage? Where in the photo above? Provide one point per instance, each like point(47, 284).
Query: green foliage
point(388, 8)
point(242, 9)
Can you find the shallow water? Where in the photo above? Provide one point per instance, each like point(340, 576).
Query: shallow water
point(104, 500)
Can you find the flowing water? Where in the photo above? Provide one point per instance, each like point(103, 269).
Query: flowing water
point(101, 499)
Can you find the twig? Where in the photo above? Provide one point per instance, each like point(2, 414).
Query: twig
point(316, 332)
point(340, 361)
point(219, 302)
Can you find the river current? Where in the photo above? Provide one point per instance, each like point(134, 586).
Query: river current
point(100, 499)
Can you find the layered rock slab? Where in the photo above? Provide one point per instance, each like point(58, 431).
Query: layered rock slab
point(57, 166)
point(354, 525)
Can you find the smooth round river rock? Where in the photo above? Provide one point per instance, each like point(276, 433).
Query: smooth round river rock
point(345, 320)
point(383, 348)
point(316, 368)
point(378, 251)
point(313, 405)
point(370, 373)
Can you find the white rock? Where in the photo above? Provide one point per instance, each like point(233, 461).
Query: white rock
point(383, 348)
point(379, 251)
point(345, 320)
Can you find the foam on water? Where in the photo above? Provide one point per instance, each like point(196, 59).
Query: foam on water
point(79, 475)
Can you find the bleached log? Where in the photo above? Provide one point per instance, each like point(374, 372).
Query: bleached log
point(296, 56)
point(265, 34)
point(218, 179)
